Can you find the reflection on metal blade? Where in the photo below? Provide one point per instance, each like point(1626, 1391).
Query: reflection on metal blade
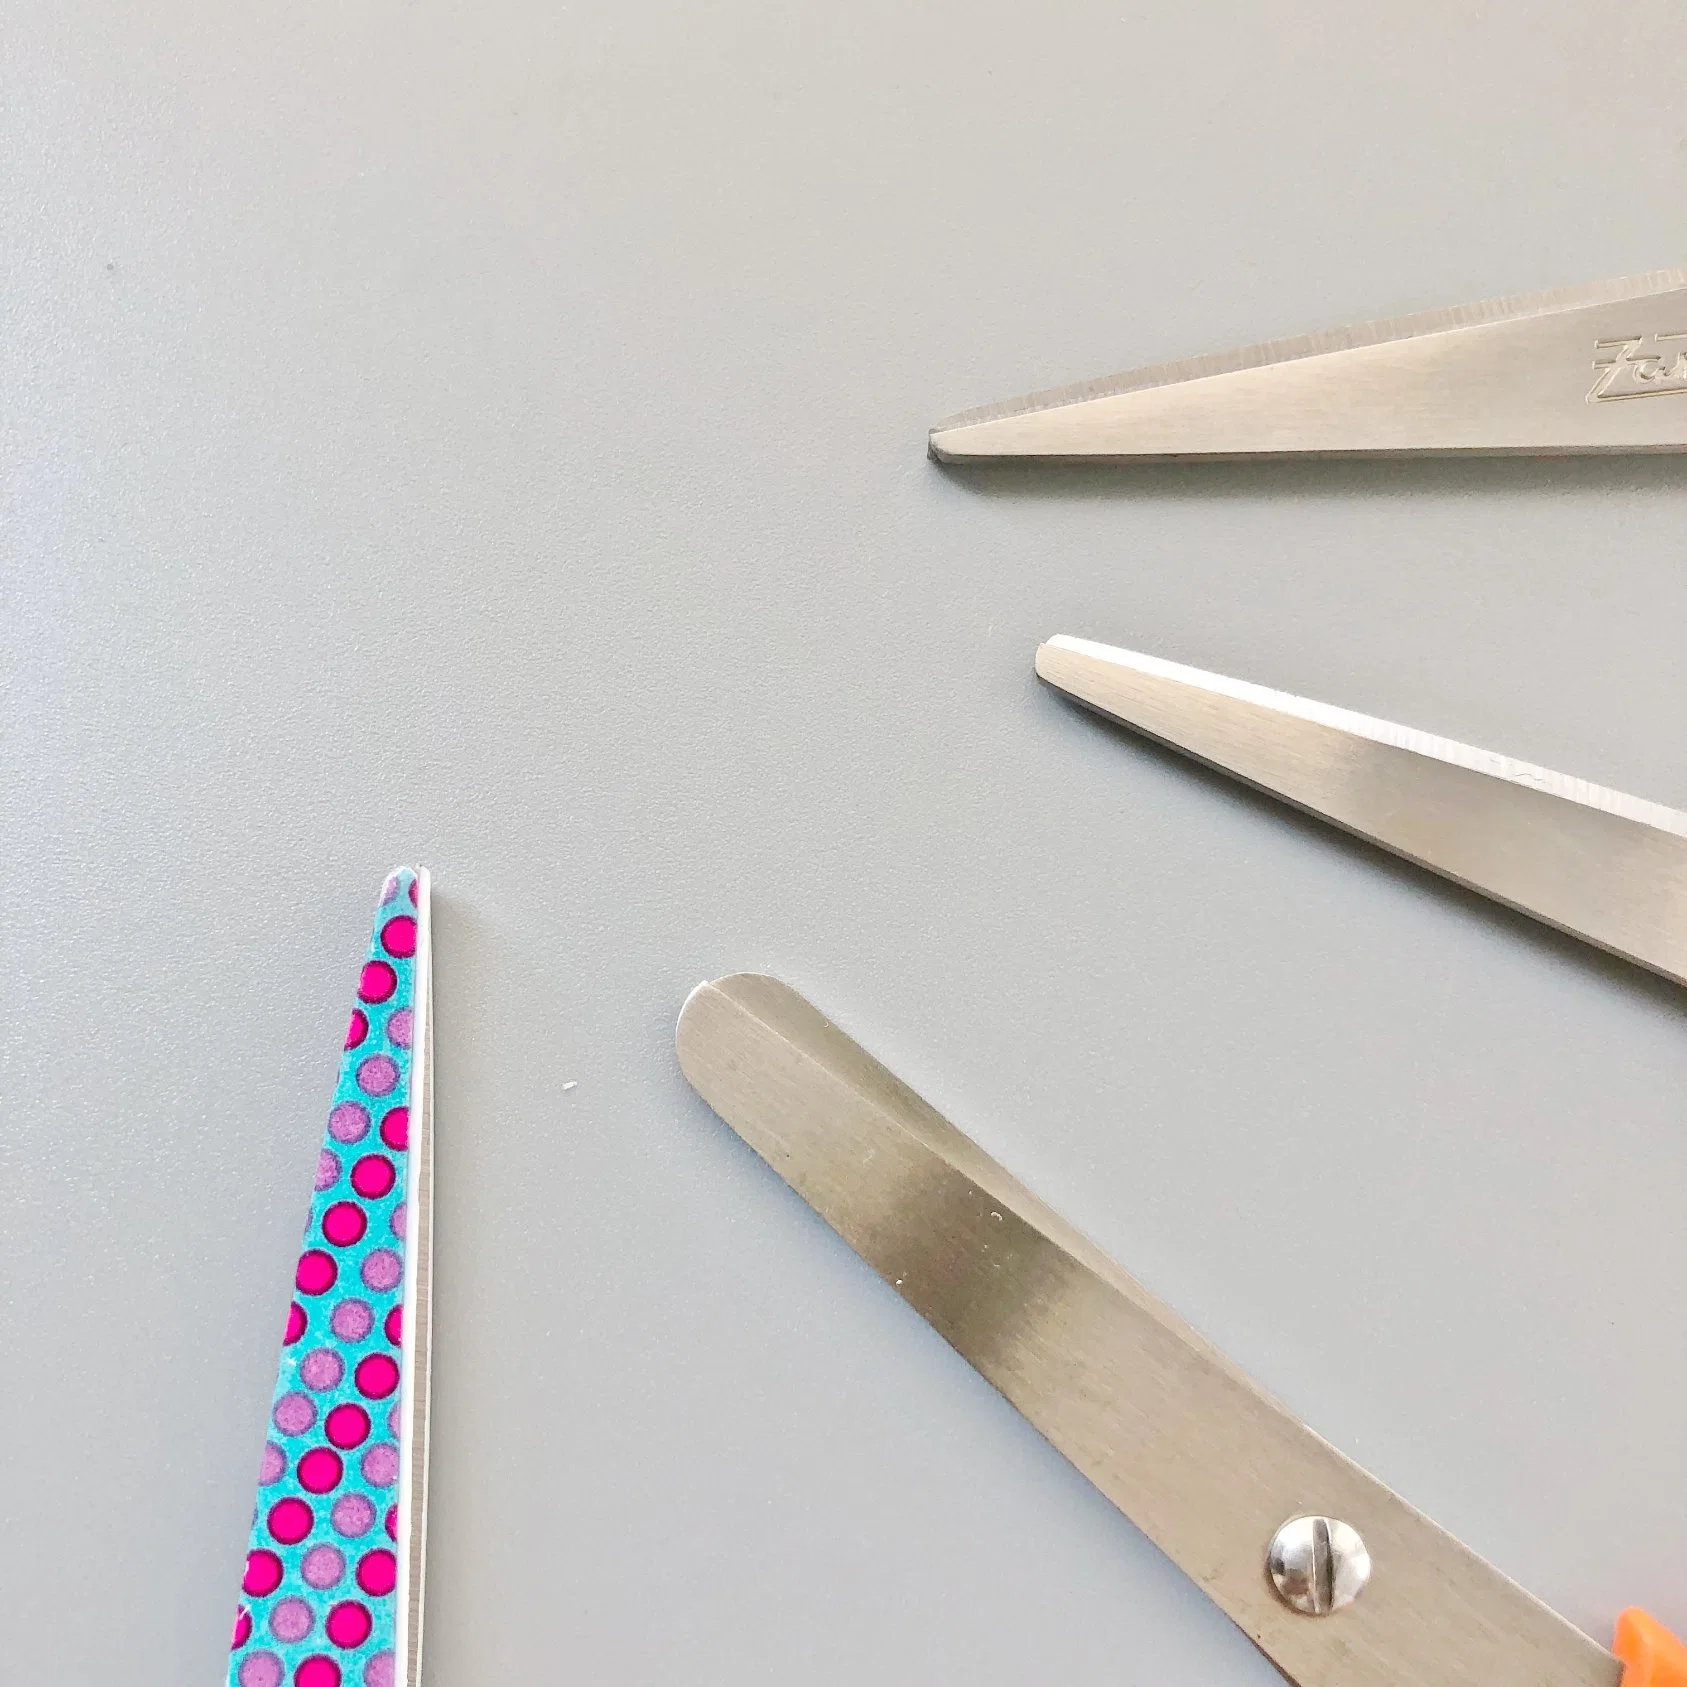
point(1199, 1458)
point(1605, 867)
point(1580, 369)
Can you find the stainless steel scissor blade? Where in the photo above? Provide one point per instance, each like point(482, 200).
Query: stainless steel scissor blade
point(1581, 369)
point(1334, 1577)
point(1608, 868)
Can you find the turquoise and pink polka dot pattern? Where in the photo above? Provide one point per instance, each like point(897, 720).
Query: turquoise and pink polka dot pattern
point(319, 1599)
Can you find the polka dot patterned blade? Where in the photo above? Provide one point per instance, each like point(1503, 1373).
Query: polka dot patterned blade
point(332, 1591)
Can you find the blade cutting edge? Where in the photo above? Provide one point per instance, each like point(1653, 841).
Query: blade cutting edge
point(1608, 868)
point(1198, 1457)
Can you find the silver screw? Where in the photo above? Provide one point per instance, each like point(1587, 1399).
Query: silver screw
point(1318, 1564)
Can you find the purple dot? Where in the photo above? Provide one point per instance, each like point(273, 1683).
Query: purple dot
point(378, 1672)
point(399, 1214)
point(394, 1426)
point(294, 1413)
point(322, 1369)
point(353, 1515)
point(291, 1621)
point(349, 1122)
point(352, 1320)
point(274, 1465)
point(378, 1075)
point(389, 891)
point(382, 1270)
point(323, 1566)
point(380, 1465)
point(399, 1028)
point(327, 1169)
point(260, 1669)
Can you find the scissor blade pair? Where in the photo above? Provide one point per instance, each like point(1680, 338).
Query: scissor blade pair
point(332, 1595)
point(1198, 1457)
point(1582, 369)
point(1605, 867)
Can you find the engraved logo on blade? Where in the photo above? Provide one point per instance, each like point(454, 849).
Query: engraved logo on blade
point(1642, 367)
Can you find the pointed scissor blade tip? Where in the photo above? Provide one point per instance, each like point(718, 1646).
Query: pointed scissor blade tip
point(1073, 665)
point(946, 443)
point(971, 438)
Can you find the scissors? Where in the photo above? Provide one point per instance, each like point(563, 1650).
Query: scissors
point(1339, 1581)
point(1597, 368)
point(332, 1591)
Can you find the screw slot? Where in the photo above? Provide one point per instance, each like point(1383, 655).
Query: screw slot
point(1317, 1564)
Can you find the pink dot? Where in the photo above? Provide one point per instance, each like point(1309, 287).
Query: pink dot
point(377, 1573)
point(242, 1628)
point(395, 1128)
point(398, 937)
point(327, 1170)
point(400, 1028)
point(377, 1376)
point(413, 902)
point(322, 1369)
point(323, 1566)
point(291, 1621)
point(263, 1573)
point(316, 1272)
point(353, 1515)
point(349, 1624)
point(382, 1269)
point(373, 1176)
point(378, 982)
point(378, 1075)
point(274, 1465)
point(392, 1522)
point(348, 1425)
point(294, 1414)
point(296, 1322)
point(380, 1465)
point(395, 1326)
point(399, 1214)
point(317, 1672)
point(349, 1122)
point(320, 1470)
point(344, 1223)
point(358, 1029)
point(378, 1672)
point(290, 1521)
point(260, 1669)
point(352, 1320)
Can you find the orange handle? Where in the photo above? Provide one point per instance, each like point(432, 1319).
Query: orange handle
point(1651, 1655)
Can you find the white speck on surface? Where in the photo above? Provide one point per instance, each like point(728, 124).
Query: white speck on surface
point(572, 1084)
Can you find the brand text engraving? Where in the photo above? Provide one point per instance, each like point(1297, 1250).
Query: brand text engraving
point(1641, 367)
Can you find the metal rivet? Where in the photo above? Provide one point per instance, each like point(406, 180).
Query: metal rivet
point(1318, 1564)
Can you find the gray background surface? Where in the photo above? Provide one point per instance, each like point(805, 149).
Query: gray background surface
point(493, 435)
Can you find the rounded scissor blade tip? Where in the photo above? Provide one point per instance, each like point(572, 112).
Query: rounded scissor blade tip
point(690, 1002)
point(692, 1012)
point(739, 989)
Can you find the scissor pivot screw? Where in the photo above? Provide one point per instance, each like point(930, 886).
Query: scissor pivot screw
point(1317, 1564)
